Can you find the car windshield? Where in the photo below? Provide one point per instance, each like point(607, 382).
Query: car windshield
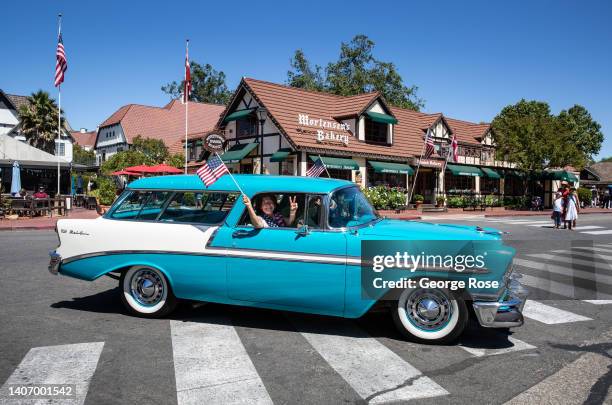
point(349, 207)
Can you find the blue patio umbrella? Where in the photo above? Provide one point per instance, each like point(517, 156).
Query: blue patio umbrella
point(16, 180)
point(72, 191)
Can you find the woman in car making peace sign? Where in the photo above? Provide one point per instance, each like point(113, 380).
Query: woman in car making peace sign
point(268, 217)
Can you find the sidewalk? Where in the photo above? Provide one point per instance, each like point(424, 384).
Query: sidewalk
point(489, 212)
point(41, 223)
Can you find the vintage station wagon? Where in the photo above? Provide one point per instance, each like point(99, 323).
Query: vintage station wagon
point(169, 238)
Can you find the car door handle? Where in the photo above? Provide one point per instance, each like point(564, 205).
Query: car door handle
point(244, 233)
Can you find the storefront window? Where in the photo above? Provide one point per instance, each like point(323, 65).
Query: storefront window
point(459, 184)
point(489, 186)
point(286, 167)
point(513, 186)
point(375, 132)
point(246, 126)
point(385, 179)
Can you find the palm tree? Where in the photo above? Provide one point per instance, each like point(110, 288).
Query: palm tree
point(39, 121)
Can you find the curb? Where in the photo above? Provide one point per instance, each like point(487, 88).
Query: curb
point(535, 214)
point(28, 228)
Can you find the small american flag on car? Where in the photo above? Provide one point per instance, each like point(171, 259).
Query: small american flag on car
point(212, 170)
point(317, 168)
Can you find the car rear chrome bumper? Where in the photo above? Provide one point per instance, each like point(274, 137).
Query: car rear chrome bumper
point(54, 262)
point(506, 312)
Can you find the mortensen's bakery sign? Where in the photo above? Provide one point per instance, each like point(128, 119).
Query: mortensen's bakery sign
point(326, 131)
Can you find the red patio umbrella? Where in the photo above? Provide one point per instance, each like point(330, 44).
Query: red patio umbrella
point(164, 168)
point(140, 169)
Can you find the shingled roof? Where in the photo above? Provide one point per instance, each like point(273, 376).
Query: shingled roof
point(166, 123)
point(84, 139)
point(468, 132)
point(17, 101)
point(285, 103)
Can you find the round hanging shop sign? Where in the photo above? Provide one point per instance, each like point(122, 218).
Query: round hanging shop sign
point(214, 142)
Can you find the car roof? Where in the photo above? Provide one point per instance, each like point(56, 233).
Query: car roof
point(250, 183)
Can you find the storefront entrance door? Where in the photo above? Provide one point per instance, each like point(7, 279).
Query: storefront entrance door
point(426, 184)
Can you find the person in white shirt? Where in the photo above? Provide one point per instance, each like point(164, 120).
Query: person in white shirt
point(557, 210)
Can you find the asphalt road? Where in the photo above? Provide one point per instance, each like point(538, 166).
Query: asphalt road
point(563, 353)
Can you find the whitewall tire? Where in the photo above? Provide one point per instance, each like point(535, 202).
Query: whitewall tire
point(145, 292)
point(430, 315)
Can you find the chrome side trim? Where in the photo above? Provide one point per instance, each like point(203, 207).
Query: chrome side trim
point(242, 253)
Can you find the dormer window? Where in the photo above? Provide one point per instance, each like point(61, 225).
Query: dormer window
point(378, 128)
point(376, 132)
point(246, 126)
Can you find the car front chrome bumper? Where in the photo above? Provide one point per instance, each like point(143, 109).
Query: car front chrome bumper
point(54, 262)
point(506, 312)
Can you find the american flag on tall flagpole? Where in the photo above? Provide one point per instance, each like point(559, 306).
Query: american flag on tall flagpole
point(212, 170)
point(61, 64)
point(317, 168)
point(187, 83)
point(429, 145)
point(454, 149)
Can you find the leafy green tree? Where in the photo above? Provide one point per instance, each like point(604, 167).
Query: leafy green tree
point(154, 149)
point(356, 71)
point(582, 130)
point(207, 85)
point(176, 160)
point(524, 134)
point(39, 121)
point(303, 75)
point(82, 156)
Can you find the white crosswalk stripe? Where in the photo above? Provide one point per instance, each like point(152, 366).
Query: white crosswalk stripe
point(560, 257)
point(64, 364)
point(605, 232)
point(550, 315)
point(566, 271)
point(517, 345)
point(212, 366)
point(376, 373)
point(599, 302)
point(562, 289)
point(599, 251)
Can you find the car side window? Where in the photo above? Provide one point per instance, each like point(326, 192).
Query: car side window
point(275, 210)
point(152, 207)
point(198, 207)
point(314, 212)
point(131, 205)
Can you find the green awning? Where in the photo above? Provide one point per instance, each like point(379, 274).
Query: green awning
point(385, 167)
point(563, 175)
point(280, 155)
point(465, 170)
point(337, 163)
point(384, 118)
point(236, 115)
point(237, 152)
point(490, 173)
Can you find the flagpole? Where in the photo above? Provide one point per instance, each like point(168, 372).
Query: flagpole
point(417, 170)
point(59, 114)
point(186, 96)
point(324, 166)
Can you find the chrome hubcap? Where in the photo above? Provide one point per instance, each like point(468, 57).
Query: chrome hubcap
point(147, 287)
point(428, 309)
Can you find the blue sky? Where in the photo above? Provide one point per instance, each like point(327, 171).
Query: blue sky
point(469, 58)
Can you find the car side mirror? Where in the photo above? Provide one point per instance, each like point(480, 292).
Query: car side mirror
point(303, 230)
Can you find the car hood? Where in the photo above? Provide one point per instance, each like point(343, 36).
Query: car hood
point(416, 230)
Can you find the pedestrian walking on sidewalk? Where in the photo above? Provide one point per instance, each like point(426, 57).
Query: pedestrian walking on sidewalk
point(557, 210)
point(571, 209)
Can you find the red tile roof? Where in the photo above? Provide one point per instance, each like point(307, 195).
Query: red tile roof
point(468, 132)
point(166, 123)
point(84, 139)
point(284, 104)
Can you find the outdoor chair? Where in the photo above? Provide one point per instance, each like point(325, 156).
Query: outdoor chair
point(91, 203)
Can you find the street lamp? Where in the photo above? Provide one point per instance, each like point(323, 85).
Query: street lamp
point(262, 114)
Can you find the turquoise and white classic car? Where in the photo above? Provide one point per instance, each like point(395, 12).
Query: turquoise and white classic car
point(288, 243)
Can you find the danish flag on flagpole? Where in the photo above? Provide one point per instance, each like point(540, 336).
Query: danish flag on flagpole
point(455, 148)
